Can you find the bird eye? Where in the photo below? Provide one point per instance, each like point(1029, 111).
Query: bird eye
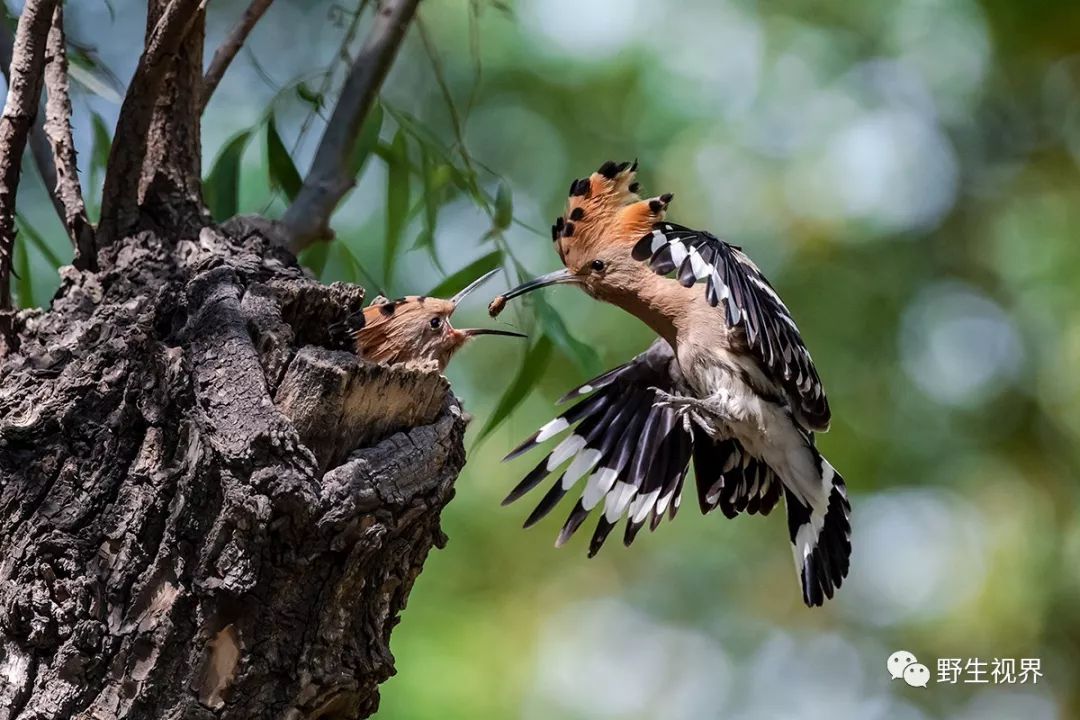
point(598, 265)
point(436, 323)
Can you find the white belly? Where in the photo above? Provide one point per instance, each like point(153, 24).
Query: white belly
point(763, 426)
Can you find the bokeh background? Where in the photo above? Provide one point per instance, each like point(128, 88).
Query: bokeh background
point(906, 174)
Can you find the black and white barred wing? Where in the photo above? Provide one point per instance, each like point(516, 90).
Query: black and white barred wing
point(731, 479)
point(749, 301)
point(627, 456)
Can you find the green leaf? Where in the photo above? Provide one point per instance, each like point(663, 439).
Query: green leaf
point(582, 355)
point(99, 160)
point(35, 238)
point(314, 258)
point(309, 96)
point(433, 184)
point(366, 140)
point(24, 285)
point(222, 186)
point(99, 156)
point(397, 200)
point(426, 139)
point(358, 268)
point(466, 275)
point(504, 207)
point(83, 69)
point(532, 367)
point(283, 173)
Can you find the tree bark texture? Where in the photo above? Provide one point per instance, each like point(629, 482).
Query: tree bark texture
point(20, 112)
point(206, 510)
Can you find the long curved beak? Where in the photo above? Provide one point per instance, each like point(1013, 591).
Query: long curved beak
point(559, 277)
point(461, 295)
point(473, 332)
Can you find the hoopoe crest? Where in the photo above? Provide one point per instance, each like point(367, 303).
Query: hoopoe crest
point(729, 385)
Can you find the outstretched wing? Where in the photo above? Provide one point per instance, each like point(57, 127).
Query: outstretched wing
point(634, 454)
point(749, 301)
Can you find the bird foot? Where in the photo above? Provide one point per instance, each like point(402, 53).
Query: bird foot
point(691, 410)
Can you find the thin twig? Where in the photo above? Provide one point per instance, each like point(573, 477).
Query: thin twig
point(307, 219)
point(236, 38)
point(342, 56)
point(20, 109)
point(455, 117)
point(120, 194)
point(39, 144)
point(474, 52)
point(58, 128)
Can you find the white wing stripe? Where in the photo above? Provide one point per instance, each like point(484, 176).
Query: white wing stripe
point(678, 252)
point(641, 505)
point(564, 451)
point(551, 429)
point(582, 464)
point(701, 268)
point(617, 500)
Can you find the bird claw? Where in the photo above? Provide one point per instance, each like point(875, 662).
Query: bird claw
point(690, 410)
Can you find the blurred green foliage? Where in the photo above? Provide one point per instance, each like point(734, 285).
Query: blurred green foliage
point(905, 173)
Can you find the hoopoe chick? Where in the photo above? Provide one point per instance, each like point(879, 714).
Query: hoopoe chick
point(729, 384)
point(415, 329)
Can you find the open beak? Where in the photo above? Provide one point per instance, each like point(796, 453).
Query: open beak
point(559, 277)
point(463, 293)
point(473, 332)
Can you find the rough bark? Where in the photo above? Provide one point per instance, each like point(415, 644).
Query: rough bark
point(20, 111)
point(209, 508)
point(207, 511)
point(173, 164)
point(66, 188)
point(157, 87)
point(39, 143)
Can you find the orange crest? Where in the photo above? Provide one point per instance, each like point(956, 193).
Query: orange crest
point(603, 209)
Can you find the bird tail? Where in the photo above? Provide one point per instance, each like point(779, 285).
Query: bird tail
point(820, 528)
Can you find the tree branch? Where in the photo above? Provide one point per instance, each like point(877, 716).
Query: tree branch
point(228, 50)
point(20, 109)
point(58, 129)
point(39, 144)
point(307, 219)
point(170, 191)
point(120, 195)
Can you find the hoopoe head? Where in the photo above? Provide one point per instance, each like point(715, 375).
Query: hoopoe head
point(416, 329)
point(604, 218)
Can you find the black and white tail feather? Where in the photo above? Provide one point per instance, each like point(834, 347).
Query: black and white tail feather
point(820, 532)
point(818, 511)
point(635, 455)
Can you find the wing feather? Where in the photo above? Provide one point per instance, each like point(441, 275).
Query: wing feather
point(749, 301)
point(633, 452)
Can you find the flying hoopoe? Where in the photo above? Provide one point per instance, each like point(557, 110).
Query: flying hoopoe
point(729, 383)
point(414, 329)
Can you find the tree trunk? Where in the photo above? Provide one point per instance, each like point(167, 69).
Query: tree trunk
point(204, 512)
